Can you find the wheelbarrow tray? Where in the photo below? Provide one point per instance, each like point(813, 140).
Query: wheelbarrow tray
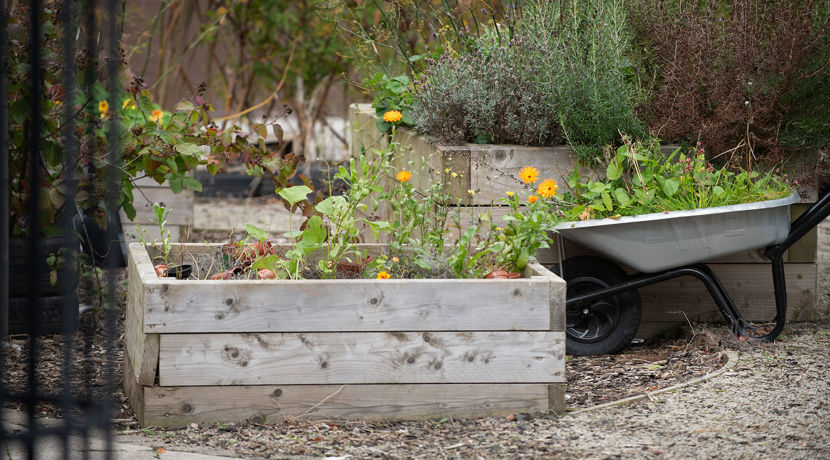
point(655, 242)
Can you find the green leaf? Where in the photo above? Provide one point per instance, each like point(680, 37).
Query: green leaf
point(160, 212)
point(129, 210)
point(192, 183)
point(596, 187)
point(612, 172)
point(176, 183)
point(606, 199)
point(521, 261)
point(622, 197)
point(315, 231)
point(270, 262)
point(294, 195)
point(256, 232)
point(718, 190)
point(670, 186)
point(383, 126)
point(187, 148)
point(330, 205)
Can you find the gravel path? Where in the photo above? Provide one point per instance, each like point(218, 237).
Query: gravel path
point(774, 403)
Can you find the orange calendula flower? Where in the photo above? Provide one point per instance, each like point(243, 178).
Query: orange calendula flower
point(532, 198)
point(529, 175)
point(392, 116)
point(156, 116)
point(384, 275)
point(404, 176)
point(547, 188)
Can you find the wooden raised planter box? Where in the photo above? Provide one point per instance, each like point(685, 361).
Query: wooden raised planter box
point(202, 351)
point(491, 170)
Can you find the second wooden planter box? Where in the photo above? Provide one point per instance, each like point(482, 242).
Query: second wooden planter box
point(222, 351)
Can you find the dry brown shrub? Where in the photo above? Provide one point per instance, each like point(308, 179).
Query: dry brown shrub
point(725, 69)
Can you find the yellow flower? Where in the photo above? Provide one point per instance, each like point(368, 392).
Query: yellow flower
point(103, 107)
point(532, 198)
point(404, 176)
point(498, 229)
point(128, 104)
point(447, 170)
point(392, 116)
point(156, 116)
point(509, 193)
point(384, 275)
point(455, 174)
point(529, 174)
point(547, 188)
point(471, 192)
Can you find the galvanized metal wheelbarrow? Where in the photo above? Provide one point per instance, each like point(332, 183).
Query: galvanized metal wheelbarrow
point(603, 306)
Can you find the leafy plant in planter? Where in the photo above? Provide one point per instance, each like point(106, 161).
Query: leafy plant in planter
point(639, 179)
point(425, 237)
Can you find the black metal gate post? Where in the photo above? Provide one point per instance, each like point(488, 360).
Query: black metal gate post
point(83, 413)
point(4, 178)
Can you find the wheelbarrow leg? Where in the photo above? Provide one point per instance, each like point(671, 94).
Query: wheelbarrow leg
point(716, 290)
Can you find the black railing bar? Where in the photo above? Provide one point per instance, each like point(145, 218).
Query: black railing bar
point(70, 266)
point(114, 174)
point(90, 46)
point(4, 196)
point(34, 227)
point(4, 184)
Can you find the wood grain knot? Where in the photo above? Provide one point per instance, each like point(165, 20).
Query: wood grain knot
point(185, 408)
point(516, 293)
point(277, 393)
point(229, 301)
point(236, 356)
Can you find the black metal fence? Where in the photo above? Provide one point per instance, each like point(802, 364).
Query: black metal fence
point(88, 34)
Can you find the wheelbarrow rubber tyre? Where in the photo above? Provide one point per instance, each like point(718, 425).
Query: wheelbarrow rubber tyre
point(606, 325)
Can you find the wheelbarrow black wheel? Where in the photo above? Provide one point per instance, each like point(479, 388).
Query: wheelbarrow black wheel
point(604, 325)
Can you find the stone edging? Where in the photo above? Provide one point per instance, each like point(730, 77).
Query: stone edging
point(733, 360)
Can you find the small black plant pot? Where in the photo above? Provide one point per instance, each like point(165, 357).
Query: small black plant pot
point(180, 272)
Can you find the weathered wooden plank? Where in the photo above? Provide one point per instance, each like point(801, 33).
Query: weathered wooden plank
point(361, 358)
point(805, 249)
point(557, 295)
point(749, 285)
point(365, 134)
point(347, 305)
point(142, 348)
point(556, 398)
point(180, 406)
point(134, 391)
point(495, 168)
